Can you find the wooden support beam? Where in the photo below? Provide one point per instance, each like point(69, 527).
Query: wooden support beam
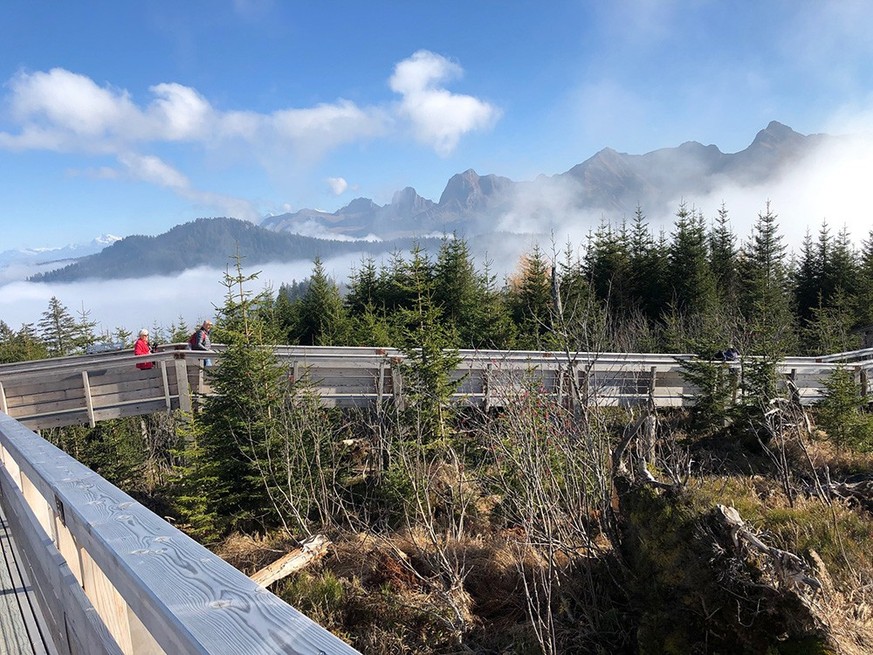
point(380, 382)
point(181, 368)
point(397, 381)
point(795, 392)
point(653, 375)
point(735, 384)
point(3, 406)
point(166, 382)
point(89, 403)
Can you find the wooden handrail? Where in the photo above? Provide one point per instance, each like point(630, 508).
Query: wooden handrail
point(90, 388)
point(112, 577)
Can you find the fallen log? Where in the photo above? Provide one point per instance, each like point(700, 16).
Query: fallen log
point(310, 550)
point(789, 569)
point(860, 493)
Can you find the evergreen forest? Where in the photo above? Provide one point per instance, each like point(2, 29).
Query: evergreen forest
point(739, 525)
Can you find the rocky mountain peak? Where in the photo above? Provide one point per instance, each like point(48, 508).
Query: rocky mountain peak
point(776, 135)
point(359, 206)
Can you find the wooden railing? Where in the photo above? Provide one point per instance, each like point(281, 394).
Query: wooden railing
point(112, 577)
point(90, 388)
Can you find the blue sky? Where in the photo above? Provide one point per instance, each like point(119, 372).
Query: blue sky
point(129, 118)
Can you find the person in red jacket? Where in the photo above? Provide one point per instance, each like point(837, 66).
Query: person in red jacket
point(142, 347)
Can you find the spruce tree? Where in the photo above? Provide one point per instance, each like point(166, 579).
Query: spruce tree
point(493, 320)
point(764, 290)
point(431, 356)
point(530, 297)
point(364, 289)
point(22, 345)
point(59, 330)
point(864, 296)
point(647, 270)
point(607, 266)
point(807, 280)
point(688, 269)
point(322, 319)
point(457, 290)
point(723, 259)
point(224, 486)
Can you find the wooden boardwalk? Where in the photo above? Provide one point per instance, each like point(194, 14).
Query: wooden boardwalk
point(22, 627)
point(111, 577)
point(87, 389)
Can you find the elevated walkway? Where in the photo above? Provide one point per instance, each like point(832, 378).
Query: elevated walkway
point(109, 576)
point(90, 388)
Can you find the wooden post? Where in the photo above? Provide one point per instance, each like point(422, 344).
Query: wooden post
point(735, 384)
point(181, 367)
point(397, 382)
point(795, 392)
point(3, 406)
point(88, 402)
point(653, 374)
point(862, 375)
point(486, 384)
point(560, 377)
point(166, 385)
point(380, 385)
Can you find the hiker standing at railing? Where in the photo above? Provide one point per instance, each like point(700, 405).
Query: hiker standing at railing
point(142, 347)
point(200, 340)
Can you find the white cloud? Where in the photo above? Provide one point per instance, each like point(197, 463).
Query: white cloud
point(192, 295)
point(316, 130)
point(151, 169)
point(180, 112)
point(62, 111)
point(438, 117)
point(337, 185)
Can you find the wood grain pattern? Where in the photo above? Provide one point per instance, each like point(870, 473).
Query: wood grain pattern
point(186, 598)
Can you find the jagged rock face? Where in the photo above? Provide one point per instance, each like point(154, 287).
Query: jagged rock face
point(471, 192)
point(359, 206)
point(408, 202)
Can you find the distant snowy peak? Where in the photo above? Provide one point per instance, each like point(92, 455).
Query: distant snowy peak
point(54, 254)
point(105, 240)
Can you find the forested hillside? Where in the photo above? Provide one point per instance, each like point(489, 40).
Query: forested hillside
point(203, 242)
point(740, 526)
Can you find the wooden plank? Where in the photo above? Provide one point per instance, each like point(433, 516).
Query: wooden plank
point(71, 623)
point(166, 383)
point(20, 631)
point(184, 390)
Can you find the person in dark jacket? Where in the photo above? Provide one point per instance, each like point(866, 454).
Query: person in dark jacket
point(729, 355)
point(200, 340)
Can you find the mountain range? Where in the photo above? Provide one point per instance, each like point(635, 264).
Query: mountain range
point(481, 208)
point(610, 183)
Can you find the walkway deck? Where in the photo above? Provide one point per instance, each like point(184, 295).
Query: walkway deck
point(20, 619)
